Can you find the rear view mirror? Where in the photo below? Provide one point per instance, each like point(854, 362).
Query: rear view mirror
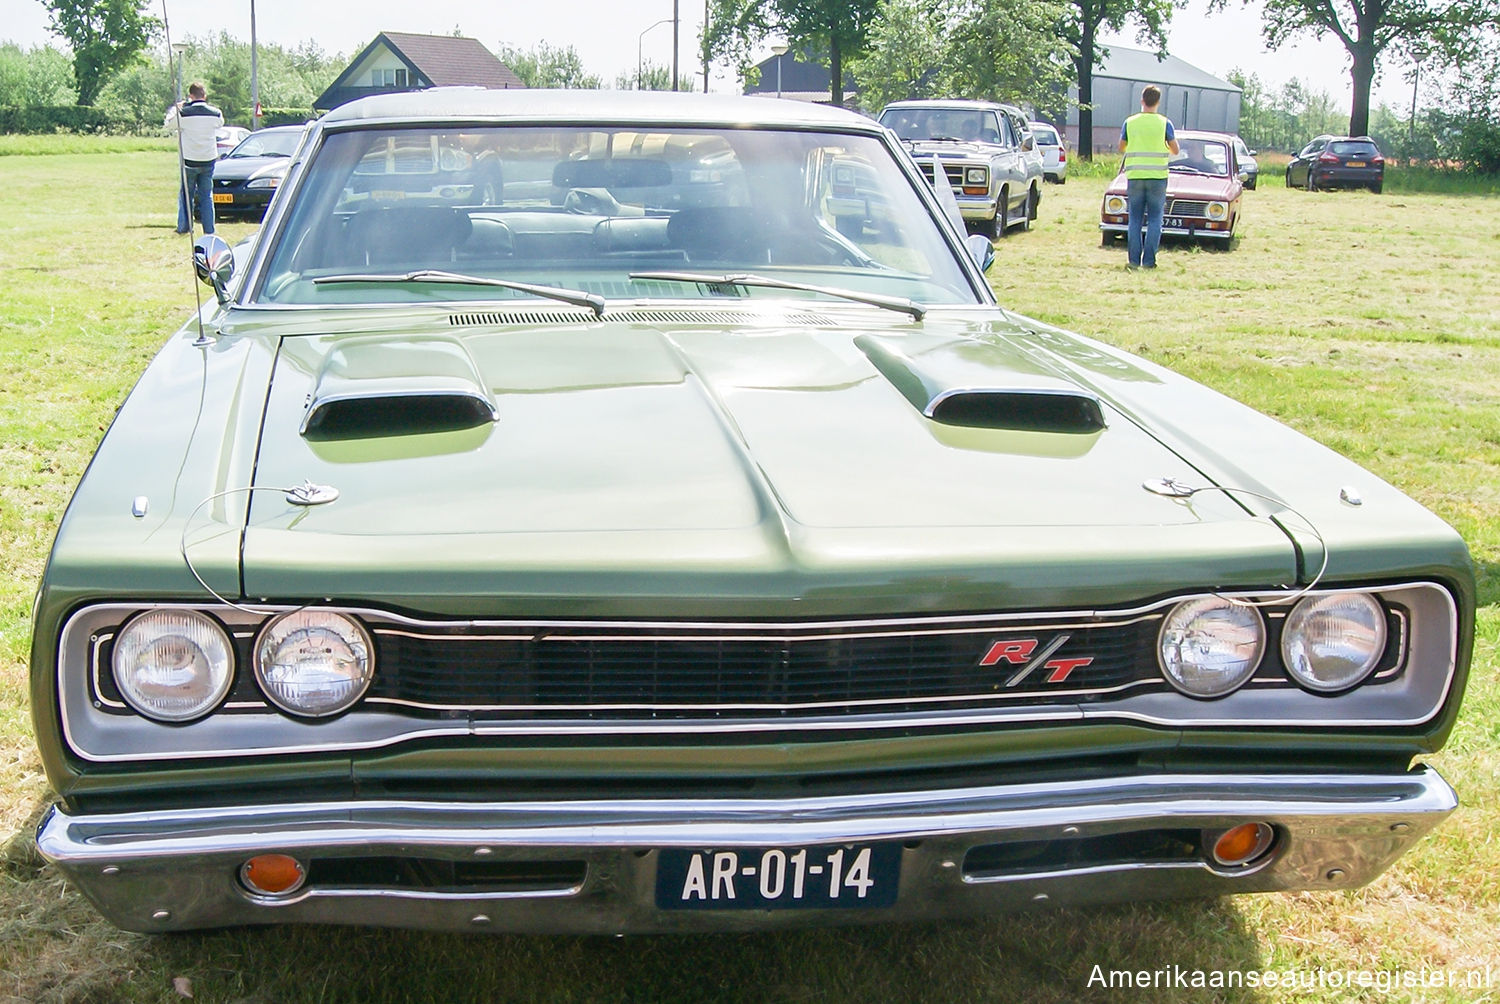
point(214, 262)
point(615, 173)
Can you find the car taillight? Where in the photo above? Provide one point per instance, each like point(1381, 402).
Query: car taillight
point(1378, 161)
point(1328, 158)
point(1062, 155)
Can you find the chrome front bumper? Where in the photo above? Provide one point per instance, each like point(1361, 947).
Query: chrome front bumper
point(1193, 232)
point(174, 870)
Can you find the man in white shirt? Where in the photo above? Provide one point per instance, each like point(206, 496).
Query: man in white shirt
point(196, 122)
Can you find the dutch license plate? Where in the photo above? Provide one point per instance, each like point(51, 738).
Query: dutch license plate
point(779, 878)
point(222, 198)
point(1175, 222)
point(1355, 163)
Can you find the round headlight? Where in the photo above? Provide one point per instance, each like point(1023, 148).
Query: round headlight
point(313, 663)
point(1115, 204)
point(976, 176)
point(1217, 210)
point(1332, 642)
point(173, 665)
point(1208, 647)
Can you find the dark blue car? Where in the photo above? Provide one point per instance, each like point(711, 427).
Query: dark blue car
point(248, 176)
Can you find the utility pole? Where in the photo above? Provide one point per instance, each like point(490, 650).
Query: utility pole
point(675, 25)
point(254, 75)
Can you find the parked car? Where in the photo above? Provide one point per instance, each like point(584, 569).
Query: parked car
point(1338, 162)
point(1249, 166)
point(1203, 192)
point(1054, 152)
point(226, 138)
point(610, 566)
point(986, 151)
point(245, 180)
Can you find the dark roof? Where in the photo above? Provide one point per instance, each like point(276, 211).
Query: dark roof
point(434, 61)
point(1151, 68)
point(801, 74)
point(444, 59)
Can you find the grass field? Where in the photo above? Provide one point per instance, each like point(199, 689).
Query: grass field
point(1369, 322)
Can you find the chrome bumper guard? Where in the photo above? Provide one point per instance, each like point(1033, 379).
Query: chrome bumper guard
point(179, 869)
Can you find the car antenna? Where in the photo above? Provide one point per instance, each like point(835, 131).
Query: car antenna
point(202, 340)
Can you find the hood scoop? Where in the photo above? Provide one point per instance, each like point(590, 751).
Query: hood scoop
point(959, 381)
point(386, 387)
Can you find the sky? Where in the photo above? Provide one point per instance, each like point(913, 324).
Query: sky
point(602, 32)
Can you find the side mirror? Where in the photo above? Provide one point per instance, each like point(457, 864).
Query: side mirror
point(214, 262)
point(1252, 153)
point(981, 250)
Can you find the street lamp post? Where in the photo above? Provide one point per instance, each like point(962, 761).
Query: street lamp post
point(638, 40)
point(1417, 55)
point(254, 75)
point(178, 49)
point(779, 50)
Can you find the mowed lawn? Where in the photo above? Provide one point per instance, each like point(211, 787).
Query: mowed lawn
point(1372, 323)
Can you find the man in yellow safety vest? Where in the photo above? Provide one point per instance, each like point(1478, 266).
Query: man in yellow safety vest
point(1147, 140)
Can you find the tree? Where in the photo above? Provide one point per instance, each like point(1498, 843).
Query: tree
point(1367, 28)
point(548, 66)
point(838, 27)
point(653, 77)
point(105, 35)
point(39, 77)
point(1080, 29)
point(1007, 50)
point(906, 51)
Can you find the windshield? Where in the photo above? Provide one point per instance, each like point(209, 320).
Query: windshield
point(1045, 135)
point(1201, 156)
point(583, 209)
point(968, 124)
point(270, 143)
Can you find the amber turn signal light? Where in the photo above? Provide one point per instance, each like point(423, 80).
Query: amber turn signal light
point(273, 874)
point(1243, 844)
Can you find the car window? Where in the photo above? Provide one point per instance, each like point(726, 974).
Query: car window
point(584, 208)
point(271, 143)
point(1201, 156)
point(1045, 135)
point(1354, 148)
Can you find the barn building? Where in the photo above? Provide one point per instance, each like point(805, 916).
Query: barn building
point(1191, 98)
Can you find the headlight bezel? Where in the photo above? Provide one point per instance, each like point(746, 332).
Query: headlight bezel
point(1308, 607)
point(976, 176)
point(1217, 211)
point(123, 648)
point(1252, 620)
point(273, 691)
point(1116, 205)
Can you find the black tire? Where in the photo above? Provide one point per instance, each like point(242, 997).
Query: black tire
point(1027, 214)
point(1250, 184)
point(1311, 186)
point(1062, 179)
point(1034, 204)
point(1289, 176)
point(1377, 187)
point(1002, 213)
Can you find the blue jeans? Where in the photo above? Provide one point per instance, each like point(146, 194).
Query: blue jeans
point(1147, 198)
point(199, 180)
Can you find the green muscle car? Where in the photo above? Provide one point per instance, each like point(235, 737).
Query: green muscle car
point(672, 533)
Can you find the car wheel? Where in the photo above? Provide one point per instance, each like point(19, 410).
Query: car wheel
point(1289, 177)
point(1002, 213)
point(1311, 186)
point(1377, 187)
point(1062, 179)
point(1251, 184)
point(1034, 204)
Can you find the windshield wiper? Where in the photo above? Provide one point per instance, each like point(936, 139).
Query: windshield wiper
point(897, 303)
point(576, 297)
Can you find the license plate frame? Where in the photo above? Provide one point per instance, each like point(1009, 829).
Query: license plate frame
point(825, 876)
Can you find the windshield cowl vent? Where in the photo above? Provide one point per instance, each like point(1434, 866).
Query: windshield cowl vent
point(384, 387)
point(963, 382)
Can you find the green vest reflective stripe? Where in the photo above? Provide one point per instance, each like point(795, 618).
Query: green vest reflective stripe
point(1146, 150)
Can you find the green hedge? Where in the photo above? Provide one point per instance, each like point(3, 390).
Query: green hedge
point(285, 116)
point(58, 118)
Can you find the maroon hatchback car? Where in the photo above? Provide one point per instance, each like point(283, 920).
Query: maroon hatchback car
point(1338, 162)
point(1203, 192)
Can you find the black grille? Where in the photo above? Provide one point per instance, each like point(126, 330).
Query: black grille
point(1186, 207)
point(656, 673)
point(955, 172)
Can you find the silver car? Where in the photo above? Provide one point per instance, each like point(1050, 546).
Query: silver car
point(987, 152)
point(1054, 152)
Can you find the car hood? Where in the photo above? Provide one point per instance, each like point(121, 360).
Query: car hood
point(693, 451)
point(245, 168)
point(952, 148)
point(1181, 185)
